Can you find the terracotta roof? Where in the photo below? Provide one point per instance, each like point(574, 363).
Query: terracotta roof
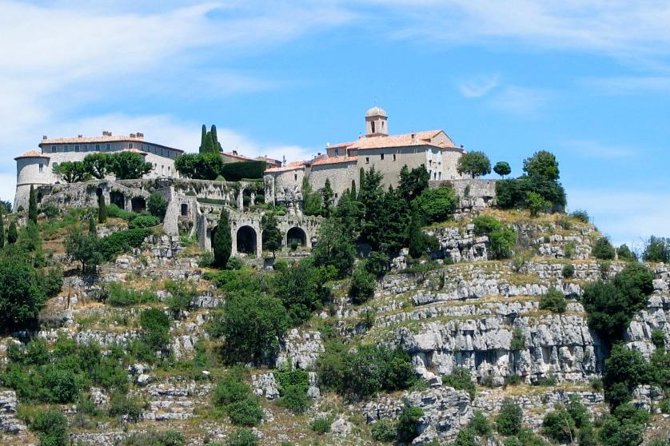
point(334, 160)
point(406, 140)
point(32, 154)
point(238, 156)
point(101, 139)
point(290, 166)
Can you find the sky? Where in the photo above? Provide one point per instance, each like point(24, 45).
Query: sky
point(586, 80)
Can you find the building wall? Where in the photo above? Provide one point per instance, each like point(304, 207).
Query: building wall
point(389, 161)
point(286, 185)
point(340, 176)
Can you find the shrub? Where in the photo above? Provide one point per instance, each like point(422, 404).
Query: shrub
point(293, 387)
point(243, 437)
point(480, 424)
point(53, 281)
point(247, 412)
point(559, 426)
point(51, 428)
point(21, 293)
point(568, 271)
point(518, 341)
point(117, 295)
point(624, 370)
point(362, 285)
point(384, 431)
point(657, 250)
point(438, 204)
point(509, 419)
point(114, 211)
point(143, 221)
point(320, 425)
point(460, 379)
point(122, 241)
point(120, 405)
point(554, 301)
point(181, 296)
point(581, 215)
point(167, 438)
point(157, 205)
point(408, 424)
point(231, 389)
point(658, 338)
point(301, 288)
point(603, 249)
point(624, 253)
point(60, 385)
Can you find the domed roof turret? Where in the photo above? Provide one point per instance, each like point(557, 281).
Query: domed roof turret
point(376, 111)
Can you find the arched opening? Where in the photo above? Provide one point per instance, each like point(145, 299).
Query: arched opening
point(296, 237)
point(98, 192)
point(246, 240)
point(184, 209)
point(138, 204)
point(118, 199)
point(246, 199)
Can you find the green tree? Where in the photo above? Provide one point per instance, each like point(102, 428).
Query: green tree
point(203, 140)
point(362, 286)
point(72, 171)
point(157, 205)
point(559, 426)
point(509, 419)
point(413, 183)
point(327, 195)
point(252, 327)
point(32, 205)
point(437, 205)
point(393, 221)
point(21, 293)
point(625, 369)
point(603, 249)
point(371, 197)
point(102, 209)
point(474, 163)
point(349, 212)
point(129, 165)
point(408, 424)
point(215, 140)
point(222, 243)
point(334, 247)
point(51, 427)
point(84, 248)
point(542, 164)
point(272, 237)
point(657, 250)
point(554, 301)
point(301, 288)
point(536, 203)
point(311, 201)
point(12, 233)
point(502, 168)
point(624, 253)
point(98, 164)
point(6, 206)
point(2, 229)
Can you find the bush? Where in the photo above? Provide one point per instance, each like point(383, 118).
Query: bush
point(568, 271)
point(21, 293)
point(518, 341)
point(122, 241)
point(320, 425)
point(293, 387)
point(114, 211)
point(181, 296)
point(625, 369)
point(554, 301)
point(247, 412)
point(243, 437)
point(438, 204)
point(120, 405)
point(460, 379)
point(408, 424)
point(51, 428)
point(384, 431)
point(143, 221)
point(559, 426)
point(657, 250)
point(60, 386)
point(301, 288)
point(502, 238)
point(603, 249)
point(509, 419)
point(231, 389)
point(167, 438)
point(53, 281)
point(480, 424)
point(624, 253)
point(581, 215)
point(362, 286)
point(658, 338)
point(117, 295)
point(156, 205)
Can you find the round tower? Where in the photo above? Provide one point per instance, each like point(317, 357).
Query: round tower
point(31, 169)
point(376, 122)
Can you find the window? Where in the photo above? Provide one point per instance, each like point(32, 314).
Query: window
point(76, 148)
point(373, 126)
point(382, 157)
point(367, 160)
point(41, 167)
point(97, 147)
point(394, 157)
point(109, 146)
point(335, 194)
point(130, 146)
point(295, 177)
point(54, 149)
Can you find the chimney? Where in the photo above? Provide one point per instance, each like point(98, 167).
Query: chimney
point(80, 136)
point(44, 137)
point(106, 133)
point(140, 135)
point(413, 138)
point(234, 152)
point(132, 135)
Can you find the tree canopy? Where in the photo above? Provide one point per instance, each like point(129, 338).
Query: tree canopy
point(474, 164)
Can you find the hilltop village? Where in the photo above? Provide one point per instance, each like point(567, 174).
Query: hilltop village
point(382, 292)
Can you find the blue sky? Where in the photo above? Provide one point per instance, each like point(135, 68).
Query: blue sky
point(589, 81)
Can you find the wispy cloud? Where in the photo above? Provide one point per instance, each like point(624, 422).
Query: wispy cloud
point(630, 217)
point(519, 100)
point(478, 86)
point(596, 149)
point(625, 85)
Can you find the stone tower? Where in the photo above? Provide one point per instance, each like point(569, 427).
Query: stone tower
point(376, 122)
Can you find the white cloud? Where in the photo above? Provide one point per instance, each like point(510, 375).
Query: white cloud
point(478, 86)
point(519, 100)
point(626, 217)
point(629, 84)
point(596, 149)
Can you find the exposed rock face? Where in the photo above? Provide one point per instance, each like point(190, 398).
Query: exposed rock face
point(301, 349)
point(458, 246)
point(9, 423)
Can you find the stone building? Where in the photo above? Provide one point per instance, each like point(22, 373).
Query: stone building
point(387, 153)
point(36, 167)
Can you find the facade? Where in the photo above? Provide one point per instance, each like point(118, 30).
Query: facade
point(36, 167)
point(341, 164)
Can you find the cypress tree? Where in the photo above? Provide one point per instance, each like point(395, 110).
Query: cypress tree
point(327, 195)
point(215, 140)
point(12, 233)
point(91, 227)
point(203, 138)
point(102, 209)
point(2, 230)
point(354, 195)
point(32, 205)
point(209, 143)
point(222, 243)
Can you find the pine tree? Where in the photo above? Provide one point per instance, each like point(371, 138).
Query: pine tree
point(32, 205)
point(222, 243)
point(327, 195)
point(2, 230)
point(91, 227)
point(12, 233)
point(102, 209)
point(203, 138)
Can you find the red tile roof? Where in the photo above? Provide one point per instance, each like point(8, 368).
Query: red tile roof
point(406, 140)
point(101, 139)
point(334, 160)
point(290, 166)
point(32, 154)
